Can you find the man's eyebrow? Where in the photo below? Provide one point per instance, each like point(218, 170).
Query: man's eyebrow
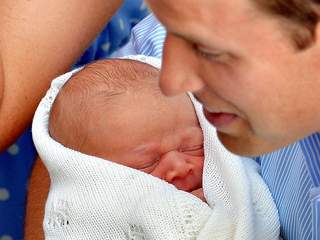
point(188, 38)
point(196, 41)
point(213, 46)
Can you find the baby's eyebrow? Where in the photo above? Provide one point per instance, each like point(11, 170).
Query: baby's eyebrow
point(148, 148)
point(192, 147)
point(140, 148)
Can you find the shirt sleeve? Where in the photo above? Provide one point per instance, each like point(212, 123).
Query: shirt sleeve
point(147, 38)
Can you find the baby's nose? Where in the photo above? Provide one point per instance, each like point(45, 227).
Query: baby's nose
point(177, 166)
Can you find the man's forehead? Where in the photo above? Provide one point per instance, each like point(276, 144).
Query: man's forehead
point(189, 18)
point(201, 9)
point(227, 26)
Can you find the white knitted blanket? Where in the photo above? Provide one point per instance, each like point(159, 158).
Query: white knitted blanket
point(93, 198)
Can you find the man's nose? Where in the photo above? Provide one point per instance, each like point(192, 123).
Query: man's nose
point(179, 67)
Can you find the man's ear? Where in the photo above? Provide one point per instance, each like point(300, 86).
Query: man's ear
point(317, 34)
point(314, 50)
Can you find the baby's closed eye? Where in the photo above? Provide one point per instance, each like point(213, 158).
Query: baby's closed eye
point(150, 165)
point(196, 150)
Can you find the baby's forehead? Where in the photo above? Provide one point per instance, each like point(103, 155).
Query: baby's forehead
point(123, 98)
point(150, 126)
point(106, 84)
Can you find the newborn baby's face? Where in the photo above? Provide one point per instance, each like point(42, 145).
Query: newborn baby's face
point(152, 133)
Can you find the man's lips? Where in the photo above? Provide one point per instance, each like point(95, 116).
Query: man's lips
point(219, 120)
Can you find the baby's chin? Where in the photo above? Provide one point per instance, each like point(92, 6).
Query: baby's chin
point(199, 194)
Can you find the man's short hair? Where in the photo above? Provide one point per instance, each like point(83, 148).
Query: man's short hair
point(300, 18)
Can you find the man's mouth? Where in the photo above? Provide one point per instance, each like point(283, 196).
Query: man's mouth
point(219, 119)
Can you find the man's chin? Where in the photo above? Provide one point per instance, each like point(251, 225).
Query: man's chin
point(246, 146)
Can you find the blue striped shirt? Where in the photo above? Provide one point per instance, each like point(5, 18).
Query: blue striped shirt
point(146, 38)
point(292, 173)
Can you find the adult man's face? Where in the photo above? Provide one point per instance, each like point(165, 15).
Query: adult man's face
point(256, 88)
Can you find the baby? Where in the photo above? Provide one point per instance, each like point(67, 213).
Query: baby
point(115, 110)
point(114, 138)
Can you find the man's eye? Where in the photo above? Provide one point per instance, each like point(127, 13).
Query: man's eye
point(211, 56)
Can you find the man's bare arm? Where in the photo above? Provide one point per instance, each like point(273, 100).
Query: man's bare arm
point(39, 40)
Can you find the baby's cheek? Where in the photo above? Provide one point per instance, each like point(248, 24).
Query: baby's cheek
point(197, 169)
point(197, 163)
point(159, 171)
